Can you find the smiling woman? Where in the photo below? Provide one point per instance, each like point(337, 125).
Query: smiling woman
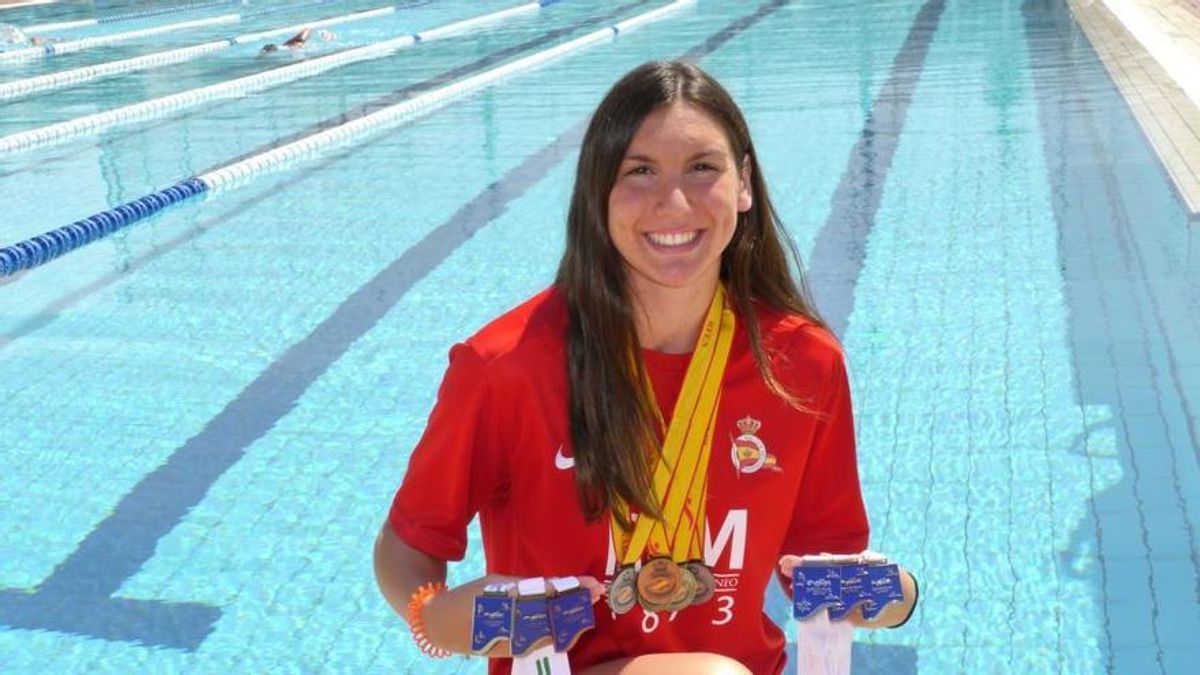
point(674, 320)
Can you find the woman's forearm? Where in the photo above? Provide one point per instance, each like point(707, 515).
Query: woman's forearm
point(400, 570)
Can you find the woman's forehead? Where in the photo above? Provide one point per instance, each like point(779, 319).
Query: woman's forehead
point(681, 128)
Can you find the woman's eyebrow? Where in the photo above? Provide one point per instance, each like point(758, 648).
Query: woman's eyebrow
point(709, 152)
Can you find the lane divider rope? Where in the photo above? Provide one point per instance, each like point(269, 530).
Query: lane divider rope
point(70, 46)
point(65, 78)
point(45, 247)
point(60, 132)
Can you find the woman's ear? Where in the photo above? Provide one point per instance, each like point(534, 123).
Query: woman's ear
point(745, 195)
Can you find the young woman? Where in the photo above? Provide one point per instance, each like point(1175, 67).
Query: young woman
point(672, 404)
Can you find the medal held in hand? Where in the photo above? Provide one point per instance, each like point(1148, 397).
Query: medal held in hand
point(570, 612)
point(840, 583)
point(491, 621)
point(884, 587)
point(673, 578)
point(531, 618)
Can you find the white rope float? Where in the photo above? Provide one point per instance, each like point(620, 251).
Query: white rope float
point(53, 134)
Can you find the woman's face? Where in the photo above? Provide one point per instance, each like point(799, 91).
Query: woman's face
point(674, 206)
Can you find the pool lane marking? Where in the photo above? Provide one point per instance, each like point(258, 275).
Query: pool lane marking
point(839, 252)
point(42, 248)
point(76, 598)
point(65, 78)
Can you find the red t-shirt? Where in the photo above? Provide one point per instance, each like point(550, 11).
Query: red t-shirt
point(780, 480)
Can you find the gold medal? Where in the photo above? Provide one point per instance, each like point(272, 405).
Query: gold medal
point(659, 583)
point(706, 583)
point(622, 592)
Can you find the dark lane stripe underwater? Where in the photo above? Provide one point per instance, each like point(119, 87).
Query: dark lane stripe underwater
point(840, 249)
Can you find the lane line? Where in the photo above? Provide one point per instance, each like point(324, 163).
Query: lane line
point(839, 253)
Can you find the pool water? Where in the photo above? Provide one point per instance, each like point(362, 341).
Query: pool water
point(206, 414)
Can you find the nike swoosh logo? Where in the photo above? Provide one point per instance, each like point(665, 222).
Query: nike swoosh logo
point(563, 462)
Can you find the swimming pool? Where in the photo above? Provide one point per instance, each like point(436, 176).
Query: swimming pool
point(207, 412)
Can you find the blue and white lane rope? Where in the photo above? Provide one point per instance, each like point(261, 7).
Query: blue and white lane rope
point(61, 132)
point(56, 48)
point(46, 247)
point(66, 78)
point(125, 16)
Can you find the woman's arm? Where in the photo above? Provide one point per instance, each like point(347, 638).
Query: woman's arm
point(401, 569)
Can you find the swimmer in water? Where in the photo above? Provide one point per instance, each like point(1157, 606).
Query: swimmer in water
point(299, 40)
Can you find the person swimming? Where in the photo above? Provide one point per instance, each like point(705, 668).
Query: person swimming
point(300, 40)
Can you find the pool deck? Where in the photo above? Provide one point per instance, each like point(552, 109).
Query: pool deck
point(1152, 50)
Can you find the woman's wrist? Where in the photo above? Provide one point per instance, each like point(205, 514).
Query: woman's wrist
point(418, 604)
point(447, 616)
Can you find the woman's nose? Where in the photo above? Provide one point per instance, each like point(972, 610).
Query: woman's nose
point(671, 196)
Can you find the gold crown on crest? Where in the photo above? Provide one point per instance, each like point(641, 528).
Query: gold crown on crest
point(748, 425)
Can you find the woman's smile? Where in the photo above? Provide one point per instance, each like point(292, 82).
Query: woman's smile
point(674, 241)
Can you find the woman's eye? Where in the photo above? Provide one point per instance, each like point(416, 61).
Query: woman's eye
point(702, 166)
point(641, 170)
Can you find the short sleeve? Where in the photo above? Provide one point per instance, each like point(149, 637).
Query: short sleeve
point(450, 473)
point(829, 515)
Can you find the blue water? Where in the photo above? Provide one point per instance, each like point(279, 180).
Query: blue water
point(205, 415)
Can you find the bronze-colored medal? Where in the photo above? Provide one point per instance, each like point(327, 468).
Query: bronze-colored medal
point(686, 593)
point(622, 592)
point(706, 583)
point(658, 583)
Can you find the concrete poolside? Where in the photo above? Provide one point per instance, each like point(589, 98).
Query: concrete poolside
point(1151, 48)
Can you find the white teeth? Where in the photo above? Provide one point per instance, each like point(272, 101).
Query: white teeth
point(674, 239)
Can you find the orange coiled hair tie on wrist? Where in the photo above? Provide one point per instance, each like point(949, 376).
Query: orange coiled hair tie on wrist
point(416, 619)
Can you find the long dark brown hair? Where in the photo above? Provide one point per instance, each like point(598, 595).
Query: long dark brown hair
point(613, 426)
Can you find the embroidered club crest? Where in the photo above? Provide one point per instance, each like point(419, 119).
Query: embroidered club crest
point(749, 453)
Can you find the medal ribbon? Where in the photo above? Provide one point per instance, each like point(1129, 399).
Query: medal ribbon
point(679, 484)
